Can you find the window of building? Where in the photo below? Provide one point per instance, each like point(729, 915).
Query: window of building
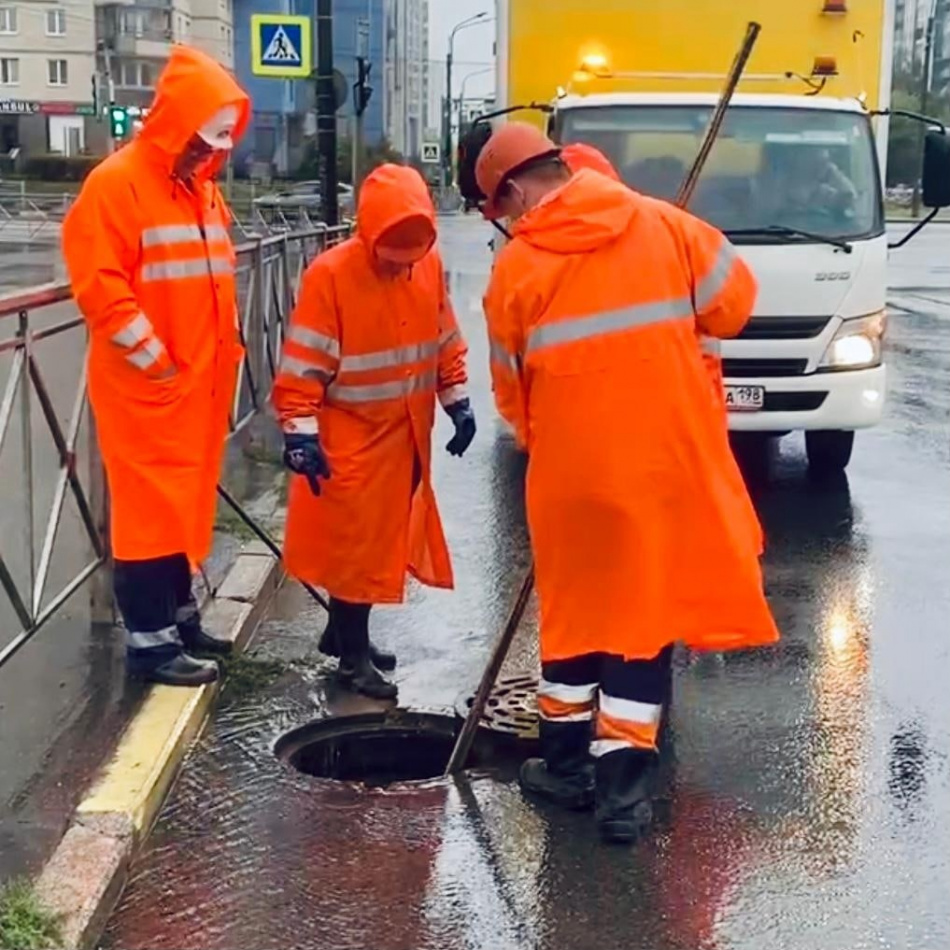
point(9, 72)
point(56, 22)
point(8, 20)
point(58, 72)
point(137, 74)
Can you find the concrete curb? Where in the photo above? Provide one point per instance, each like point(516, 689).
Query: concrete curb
point(84, 878)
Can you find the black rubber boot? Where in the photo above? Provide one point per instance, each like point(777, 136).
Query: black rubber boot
point(624, 808)
point(357, 671)
point(188, 621)
point(565, 776)
point(181, 670)
point(380, 659)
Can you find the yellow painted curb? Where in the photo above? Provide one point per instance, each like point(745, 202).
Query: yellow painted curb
point(146, 761)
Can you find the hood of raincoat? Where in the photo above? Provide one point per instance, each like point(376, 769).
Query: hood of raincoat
point(582, 215)
point(191, 89)
point(389, 195)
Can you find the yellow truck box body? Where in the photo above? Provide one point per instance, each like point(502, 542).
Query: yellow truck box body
point(541, 44)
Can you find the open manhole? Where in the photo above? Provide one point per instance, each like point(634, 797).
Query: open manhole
point(384, 748)
point(511, 710)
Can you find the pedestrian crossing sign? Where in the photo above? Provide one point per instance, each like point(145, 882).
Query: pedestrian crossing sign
point(281, 46)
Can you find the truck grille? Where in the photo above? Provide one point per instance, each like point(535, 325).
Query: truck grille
point(794, 402)
point(738, 368)
point(783, 328)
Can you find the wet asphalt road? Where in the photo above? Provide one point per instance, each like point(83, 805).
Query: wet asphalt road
point(808, 786)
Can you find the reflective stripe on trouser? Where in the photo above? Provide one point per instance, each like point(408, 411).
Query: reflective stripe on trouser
point(564, 702)
point(630, 697)
point(150, 594)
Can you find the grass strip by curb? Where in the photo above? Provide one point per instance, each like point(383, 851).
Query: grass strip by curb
point(243, 675)
point(24, 923)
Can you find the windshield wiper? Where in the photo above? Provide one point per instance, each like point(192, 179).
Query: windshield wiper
point(781, 229)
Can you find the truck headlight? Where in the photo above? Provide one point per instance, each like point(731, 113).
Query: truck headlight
point(858, 344)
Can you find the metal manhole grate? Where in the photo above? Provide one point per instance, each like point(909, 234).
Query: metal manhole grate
point(512, 708)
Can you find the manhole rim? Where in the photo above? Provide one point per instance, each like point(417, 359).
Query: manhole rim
point(292, 740)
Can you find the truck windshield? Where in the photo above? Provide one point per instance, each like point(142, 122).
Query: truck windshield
point(804, 170)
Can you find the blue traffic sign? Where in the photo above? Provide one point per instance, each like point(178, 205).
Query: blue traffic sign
point(281, 45)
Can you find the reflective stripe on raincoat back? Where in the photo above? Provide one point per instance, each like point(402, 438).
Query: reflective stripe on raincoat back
point(642, 530)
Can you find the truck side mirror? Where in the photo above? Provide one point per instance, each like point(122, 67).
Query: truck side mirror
point(936, 173)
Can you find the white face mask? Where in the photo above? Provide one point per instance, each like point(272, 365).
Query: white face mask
point(218, 131)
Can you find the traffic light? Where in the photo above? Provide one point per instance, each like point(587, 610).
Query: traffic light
point(361, 90)
point(119, 124)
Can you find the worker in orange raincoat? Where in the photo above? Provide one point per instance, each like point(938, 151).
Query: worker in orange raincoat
point(639, 520)
point(372, 342)
point(149, 253)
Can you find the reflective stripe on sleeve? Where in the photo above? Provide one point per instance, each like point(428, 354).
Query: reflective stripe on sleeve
point(314, 340)
point(304, 370)
point(712, 285)
point(136, 331)
point(182, 234)
point(387, 359)
point(611, 321)
point(147, 356)
point(179, 270)
point(502, 357)
point(152, 639)
point(710, 345)
point(380, 391)
point(452, 395)
point(302, 425)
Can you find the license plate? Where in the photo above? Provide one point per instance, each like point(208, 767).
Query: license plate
point(745, 398)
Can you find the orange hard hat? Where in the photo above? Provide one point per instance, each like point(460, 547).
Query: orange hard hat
point(580, 155)
point(512, 146)
point(407, 241)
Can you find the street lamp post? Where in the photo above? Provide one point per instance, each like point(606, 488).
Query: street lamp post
point(926, 80)
point(447, 118)
point(461, 98)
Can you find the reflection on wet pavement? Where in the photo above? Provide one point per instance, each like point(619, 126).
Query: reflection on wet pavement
point(807, 787)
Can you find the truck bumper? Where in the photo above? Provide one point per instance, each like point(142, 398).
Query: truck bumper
point(843, 400)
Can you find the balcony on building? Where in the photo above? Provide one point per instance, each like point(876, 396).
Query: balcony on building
point(141, 30)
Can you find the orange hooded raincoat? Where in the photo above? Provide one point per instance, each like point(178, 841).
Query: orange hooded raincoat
point(364, 358)
point(152, 269)
point(642, 530)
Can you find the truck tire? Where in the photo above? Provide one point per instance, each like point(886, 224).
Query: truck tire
point(829, 452)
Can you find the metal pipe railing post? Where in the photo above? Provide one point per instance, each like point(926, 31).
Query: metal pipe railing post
point(101, 596)
point(255, 330)
point(26, 438)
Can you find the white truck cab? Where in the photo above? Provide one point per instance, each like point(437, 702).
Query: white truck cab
point(795, 183)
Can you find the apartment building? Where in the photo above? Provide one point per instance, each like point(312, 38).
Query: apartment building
point(47, 59)
point(51, 49)
point(406, 73)
point(134, 40)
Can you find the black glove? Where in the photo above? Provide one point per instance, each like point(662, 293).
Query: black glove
point(463, 418)
point(303, 455)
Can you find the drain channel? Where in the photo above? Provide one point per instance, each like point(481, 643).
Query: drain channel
point(384, 748)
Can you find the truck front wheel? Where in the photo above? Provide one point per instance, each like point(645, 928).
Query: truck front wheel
point(829, 451)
